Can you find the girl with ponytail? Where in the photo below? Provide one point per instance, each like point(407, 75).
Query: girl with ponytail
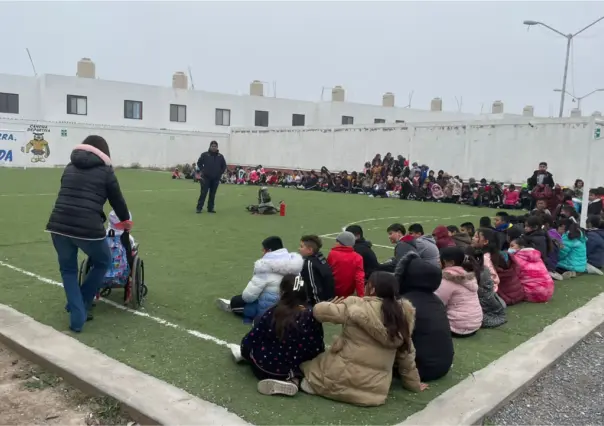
point(376, 335)
point(284, 337)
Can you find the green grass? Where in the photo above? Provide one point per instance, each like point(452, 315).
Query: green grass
point(193, 259)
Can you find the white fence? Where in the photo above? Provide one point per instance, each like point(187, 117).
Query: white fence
point(44, 144)
point(503, 150)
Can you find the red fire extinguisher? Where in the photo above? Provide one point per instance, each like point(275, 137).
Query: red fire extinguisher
point(281, 208)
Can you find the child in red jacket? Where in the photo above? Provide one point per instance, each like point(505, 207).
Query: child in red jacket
point(347, 267)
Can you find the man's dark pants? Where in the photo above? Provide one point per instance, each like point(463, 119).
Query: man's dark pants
point(210, 185)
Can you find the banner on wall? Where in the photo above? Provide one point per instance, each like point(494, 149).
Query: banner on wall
point(25, 147)
point(10, 144)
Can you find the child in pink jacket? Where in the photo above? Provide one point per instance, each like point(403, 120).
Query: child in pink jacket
point(535, 279)
point(459, 292)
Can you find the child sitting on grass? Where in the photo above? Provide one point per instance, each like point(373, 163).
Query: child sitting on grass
point(458, 291)
point(347, 267)
point(262, 291)
point(573, 253)
point(538, 285)
point(595, 245)
point(493, 307)
point(316, 272)
point(376, 334)
point(284, 337)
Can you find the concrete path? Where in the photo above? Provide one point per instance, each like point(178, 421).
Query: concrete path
point(147, 399)
point(571, 393)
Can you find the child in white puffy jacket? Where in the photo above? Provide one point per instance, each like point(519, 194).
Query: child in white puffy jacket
point(262, 291)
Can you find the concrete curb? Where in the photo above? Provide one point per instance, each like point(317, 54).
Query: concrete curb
point(483, 393)
point(147, 399)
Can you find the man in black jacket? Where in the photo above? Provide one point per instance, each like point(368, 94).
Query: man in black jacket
point(363, 247)
point(211, 166)
point(541, 177)
point(316, 272)
point(403, 245)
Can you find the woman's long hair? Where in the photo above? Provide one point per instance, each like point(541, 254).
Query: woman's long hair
point(474, 262)
point(293, 298)
point(493, 247)
point(394, 319)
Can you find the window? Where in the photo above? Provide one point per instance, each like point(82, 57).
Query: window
point(261, 119)
point(298, 119)
point(133, 110)
point(379, 120)
point(9, 103)
point(178, 113)
point(347, 119)
point(77, 105)
point(223, 117)
point(400, 121)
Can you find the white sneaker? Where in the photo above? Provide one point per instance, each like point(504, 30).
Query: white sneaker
point(305, 386)
point(277, 387)
point(569, 274)
point(556, 276)
point(236, 351)
point(224, 304)
point(593, 270)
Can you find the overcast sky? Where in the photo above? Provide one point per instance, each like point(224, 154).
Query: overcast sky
point(476, 50)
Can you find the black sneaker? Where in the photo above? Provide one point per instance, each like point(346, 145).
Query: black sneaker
point(211, 211)
point(198, 211)
point(89, 317)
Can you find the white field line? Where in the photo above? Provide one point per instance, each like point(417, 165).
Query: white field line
point(331, 237)
point(158, 320)
point(126, 191)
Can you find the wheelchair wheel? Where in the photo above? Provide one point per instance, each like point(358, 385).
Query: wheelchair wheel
point(137, 283)
point(84, 269)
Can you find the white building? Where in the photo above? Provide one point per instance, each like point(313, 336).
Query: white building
point(84, 99)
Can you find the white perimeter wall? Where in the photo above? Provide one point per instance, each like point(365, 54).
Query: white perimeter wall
point(44, 98)
point(503, 150)
point(147, 147)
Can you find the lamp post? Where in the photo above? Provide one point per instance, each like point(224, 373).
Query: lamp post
point(569, 38)
point(579, 98)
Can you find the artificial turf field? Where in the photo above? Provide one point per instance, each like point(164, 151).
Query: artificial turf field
point(190, 260)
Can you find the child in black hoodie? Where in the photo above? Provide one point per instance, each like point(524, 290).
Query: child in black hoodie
point(431, 337)
point(316, 272)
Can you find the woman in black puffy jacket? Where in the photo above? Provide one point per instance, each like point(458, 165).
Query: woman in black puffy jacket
point(77, 222)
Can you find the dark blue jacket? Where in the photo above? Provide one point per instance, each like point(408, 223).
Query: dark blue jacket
point(595, 247)
point(211, 164)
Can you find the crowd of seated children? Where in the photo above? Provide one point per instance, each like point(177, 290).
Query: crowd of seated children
point(397, 178)
point(411, 307)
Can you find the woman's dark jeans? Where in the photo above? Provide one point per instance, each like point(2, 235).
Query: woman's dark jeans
point(79, 299)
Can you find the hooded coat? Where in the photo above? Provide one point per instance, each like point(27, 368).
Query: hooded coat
point(418, 280)
point(462, 240)
point(595, 247)
point(357, 368)
point(441, 235)
point(458, 291)
point(88, 182)
point(573, 253)
point(538, 285)
point(539, 239)
point(370, 262)
point(427, 250)
point(211, 164)
point(262, 291)
point(510, 288)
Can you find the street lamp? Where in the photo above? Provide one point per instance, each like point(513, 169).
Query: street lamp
point(579, 98)
point(569, 38)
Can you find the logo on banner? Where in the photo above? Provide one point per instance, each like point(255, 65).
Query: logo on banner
point(6, 153)
point(38, 146)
